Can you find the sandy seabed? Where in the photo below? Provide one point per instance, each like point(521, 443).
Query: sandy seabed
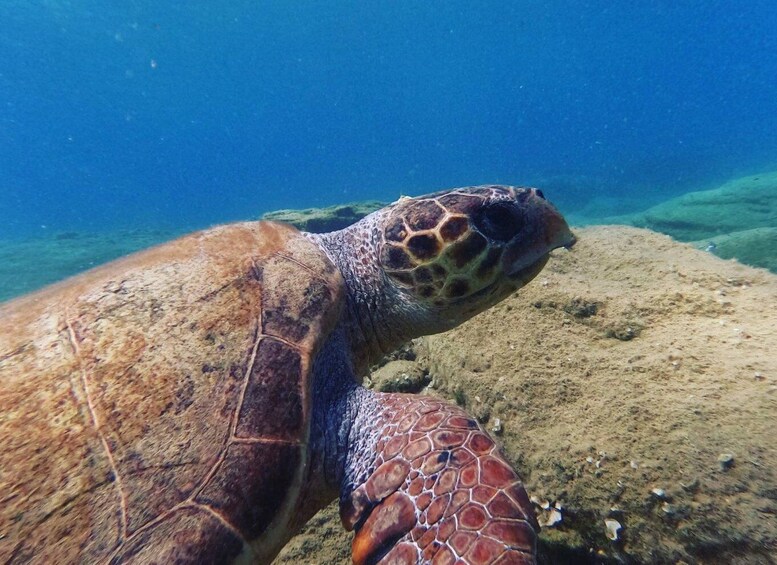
point(634, 380)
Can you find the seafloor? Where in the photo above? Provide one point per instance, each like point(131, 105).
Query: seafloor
point(638, 383)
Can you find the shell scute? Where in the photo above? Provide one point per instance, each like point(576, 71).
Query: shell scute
point(272, 404)
point(188, 535)
point(294, 296)
point(259, 472)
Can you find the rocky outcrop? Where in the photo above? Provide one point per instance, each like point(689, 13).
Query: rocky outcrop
point(634, 385)
point(321, 220)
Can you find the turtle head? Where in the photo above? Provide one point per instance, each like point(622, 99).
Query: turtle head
point(453, 254)
point(424, 265)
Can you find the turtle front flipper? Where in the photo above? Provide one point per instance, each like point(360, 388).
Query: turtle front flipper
point(434, 488)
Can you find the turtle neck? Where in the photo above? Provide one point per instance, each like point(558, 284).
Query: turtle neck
point(372, 322)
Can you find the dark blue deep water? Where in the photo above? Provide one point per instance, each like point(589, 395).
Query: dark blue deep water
point(170, 114)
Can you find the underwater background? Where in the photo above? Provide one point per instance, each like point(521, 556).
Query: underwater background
point(178, 115)
point(633, 385)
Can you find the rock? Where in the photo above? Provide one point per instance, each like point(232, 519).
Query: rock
point(320, 220)
point(400, 376)
point(741, 204)
point(691, 486)
point(548, 515)
point(623, 332)
point(737, 220)
point(726, 461)
point(581, 308)
point(757, 247)
point(612, 528)
point(659, 493)
point(553, 518)
point(481, 411)
point(570, 394)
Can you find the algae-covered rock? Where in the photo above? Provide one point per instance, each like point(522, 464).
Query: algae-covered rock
point(737, 220)
point(320, 220)
point(670, 433)
point(400, 376)
point(756, 247)
point(742, 204)
point(26, 265)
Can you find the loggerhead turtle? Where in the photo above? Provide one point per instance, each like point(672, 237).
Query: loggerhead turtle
point(199, 401)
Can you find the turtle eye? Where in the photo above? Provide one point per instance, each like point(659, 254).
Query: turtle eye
point(499, 222)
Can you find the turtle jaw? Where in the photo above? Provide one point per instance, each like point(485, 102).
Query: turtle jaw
point(522, 260)
point(523, 275)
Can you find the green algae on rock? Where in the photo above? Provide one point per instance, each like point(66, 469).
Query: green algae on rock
point(756, 247)
point(321, 220)
point(741, 204)
point(737, 220)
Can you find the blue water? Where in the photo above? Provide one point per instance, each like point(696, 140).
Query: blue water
point(169, 114)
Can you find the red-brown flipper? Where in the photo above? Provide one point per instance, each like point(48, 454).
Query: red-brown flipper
point(440, 492)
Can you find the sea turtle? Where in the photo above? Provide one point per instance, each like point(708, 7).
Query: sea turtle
point(199, 401)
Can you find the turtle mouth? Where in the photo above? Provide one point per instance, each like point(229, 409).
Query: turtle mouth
point(524, 274)
point(524, 267)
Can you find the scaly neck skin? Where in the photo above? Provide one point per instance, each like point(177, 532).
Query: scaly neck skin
point(371, 326)
point(373, 322)
point(336, 400)
point(343, 431)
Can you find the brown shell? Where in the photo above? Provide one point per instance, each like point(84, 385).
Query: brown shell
point(147, 399)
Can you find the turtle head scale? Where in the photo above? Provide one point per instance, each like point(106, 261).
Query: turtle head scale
point(424, 265)
point(469, 245)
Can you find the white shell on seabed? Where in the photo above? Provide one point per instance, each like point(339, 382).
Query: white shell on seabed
point(726, 461)
point(659, 493)
point(612, 527)
point(554, 517)
point(550, 515)
point(544, 503)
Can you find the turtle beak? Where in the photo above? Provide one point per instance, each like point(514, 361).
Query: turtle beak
point(557, 232)
point(527, 253)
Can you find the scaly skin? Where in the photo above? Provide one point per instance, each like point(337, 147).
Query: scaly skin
point(440, 490)
point(419, 480)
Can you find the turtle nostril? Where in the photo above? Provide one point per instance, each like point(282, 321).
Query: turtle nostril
point(538, 192)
